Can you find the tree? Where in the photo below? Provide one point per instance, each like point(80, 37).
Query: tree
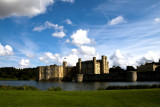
point(130, 68)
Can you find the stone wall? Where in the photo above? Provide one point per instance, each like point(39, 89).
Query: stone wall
point(148, 76)
point(147, 67)
point(126, 76)
point(104, 77)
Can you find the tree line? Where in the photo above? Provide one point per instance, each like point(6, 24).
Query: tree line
point(18, 74)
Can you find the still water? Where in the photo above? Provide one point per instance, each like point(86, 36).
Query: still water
point(73, 86)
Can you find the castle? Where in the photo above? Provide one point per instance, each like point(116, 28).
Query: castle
point(96, 70)
point(148, 67)
point(64, 72)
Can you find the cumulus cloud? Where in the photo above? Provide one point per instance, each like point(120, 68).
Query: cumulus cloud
point(118, 59)
point(69, 22)
point(86, 50)
point(149, 57)
point(123, 60)
point(71, 59)
point(24, 63)
point(48, 25)
point(117, 20)
point(67, 41)
point(60, 34)
point(156, 20)
point(49, 57)
point(5, 50)
point(74, 51)
point(70, 1)
point(80, 38)
point(28, 8)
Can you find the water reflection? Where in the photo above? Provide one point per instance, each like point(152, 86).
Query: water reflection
point(73, 86)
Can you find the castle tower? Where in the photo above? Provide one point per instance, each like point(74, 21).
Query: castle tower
point(79, 66)
point(47, 72)
point(102, 69)
point(106, 65)
point(94, 65)
point(39, 73)
point(64, 64)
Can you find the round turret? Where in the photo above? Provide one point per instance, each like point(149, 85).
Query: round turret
point(131, 76)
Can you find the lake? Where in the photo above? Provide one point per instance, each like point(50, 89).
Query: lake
point(73, 86)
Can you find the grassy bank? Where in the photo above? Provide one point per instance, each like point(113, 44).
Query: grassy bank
point(107, 98)
point(118, 87)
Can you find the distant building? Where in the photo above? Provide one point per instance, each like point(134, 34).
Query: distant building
point(148, 67)
point(55, 72)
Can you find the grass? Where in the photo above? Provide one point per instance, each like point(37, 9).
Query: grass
point(104, 98)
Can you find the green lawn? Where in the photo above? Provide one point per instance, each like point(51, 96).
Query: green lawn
point(107, 98)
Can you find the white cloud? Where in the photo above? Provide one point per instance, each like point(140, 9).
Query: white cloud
point(69, 22)
point(24, 63)
point(48, 25)
point(74, 51)
point(80, 38)
point(67, 41)
point(49, 57)
point(59, 31)
point(117, 20)
point(118, 59)
point(86, 50)
point(60, 34)
point(5, 50)
point(70, 1)
point(156, 20)
point(39, 28)
point(149, 57)
point(71, 59)
point(28, 8)
point(123, 60)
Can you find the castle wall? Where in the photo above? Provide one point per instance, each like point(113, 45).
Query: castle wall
point(104, 77)
point(96, 70)
point(50, 72)
point(69, 73)
point(93, 66)
point(147, 67)
point(148, 76)
point(126, 76)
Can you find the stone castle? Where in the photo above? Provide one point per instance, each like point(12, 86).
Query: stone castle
point(148, 67)
point(96, 70)
point(64, 72)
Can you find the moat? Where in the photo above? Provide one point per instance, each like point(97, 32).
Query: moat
point(74, 86)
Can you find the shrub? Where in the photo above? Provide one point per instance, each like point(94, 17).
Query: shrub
point(24, 87)
point(130, 87)
point(55, 89)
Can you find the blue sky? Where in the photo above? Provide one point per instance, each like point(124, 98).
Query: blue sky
point(43, 32)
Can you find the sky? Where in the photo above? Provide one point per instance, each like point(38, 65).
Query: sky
point(46, 32)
